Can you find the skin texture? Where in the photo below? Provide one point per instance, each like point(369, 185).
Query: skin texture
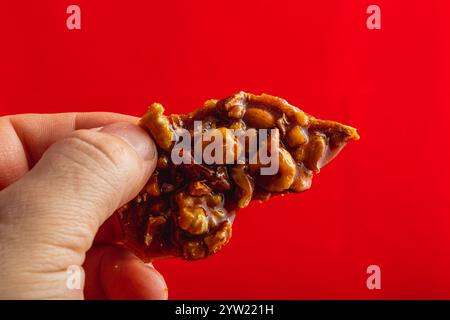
point(61, 178)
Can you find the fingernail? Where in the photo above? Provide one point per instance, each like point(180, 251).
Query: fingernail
point(150, 265)
point(135, 136)
point(161, 278)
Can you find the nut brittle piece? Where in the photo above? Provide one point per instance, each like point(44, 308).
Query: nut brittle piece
point(188, 205)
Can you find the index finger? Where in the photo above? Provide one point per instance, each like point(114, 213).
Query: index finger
point(24, 138)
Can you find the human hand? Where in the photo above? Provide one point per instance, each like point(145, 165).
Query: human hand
point(60, 180)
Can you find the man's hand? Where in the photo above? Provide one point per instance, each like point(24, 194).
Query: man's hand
point(61, 178)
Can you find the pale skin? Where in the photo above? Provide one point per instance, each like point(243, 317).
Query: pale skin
point(62, 176)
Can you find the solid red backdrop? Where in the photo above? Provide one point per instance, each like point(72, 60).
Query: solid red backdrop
point(384, 200)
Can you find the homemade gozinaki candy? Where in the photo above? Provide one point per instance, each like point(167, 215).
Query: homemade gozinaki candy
point(187, 209)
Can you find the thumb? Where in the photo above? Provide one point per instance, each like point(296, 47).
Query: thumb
point(77, 184)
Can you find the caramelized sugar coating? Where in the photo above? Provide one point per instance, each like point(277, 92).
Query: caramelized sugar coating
point(187, 210)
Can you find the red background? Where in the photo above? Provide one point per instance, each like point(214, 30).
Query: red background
point(384, 200)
